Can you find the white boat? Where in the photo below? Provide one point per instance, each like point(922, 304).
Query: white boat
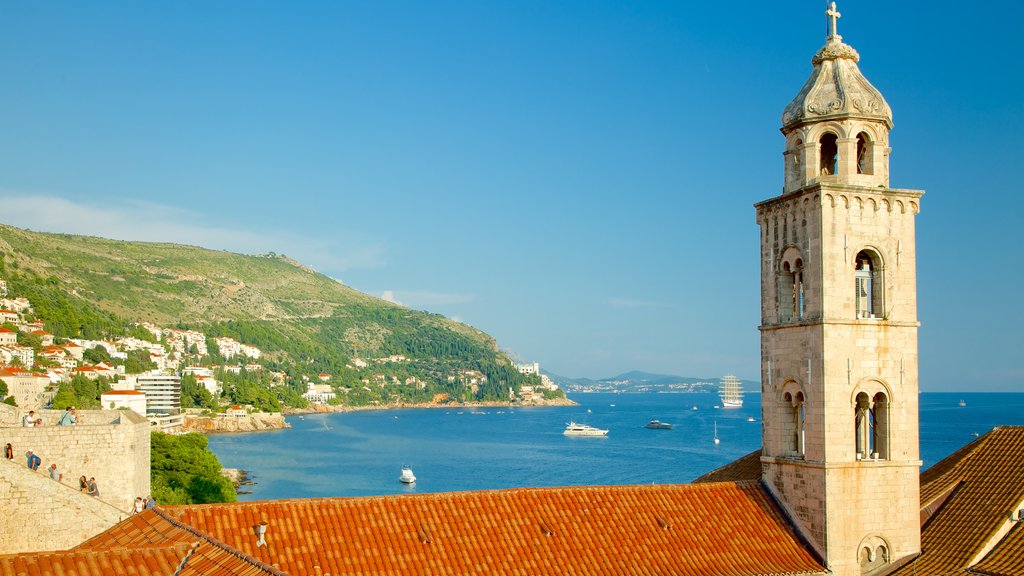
point(574, 429)
point(407, 476)
point(963, 403)
point(716, 433)
point(730, 390)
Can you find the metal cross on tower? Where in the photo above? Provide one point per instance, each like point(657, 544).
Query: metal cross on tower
point(834, 15)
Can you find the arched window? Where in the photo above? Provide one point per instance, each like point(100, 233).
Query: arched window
point(863, 148)
point(829, 153)
point(868, 285)
point(793, 425)
point(872, 554)
point(792, 291)
point(871, 426)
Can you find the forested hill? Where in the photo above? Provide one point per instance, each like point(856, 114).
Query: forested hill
point(304, 322)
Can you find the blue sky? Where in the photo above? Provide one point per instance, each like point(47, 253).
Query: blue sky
point(575, 178)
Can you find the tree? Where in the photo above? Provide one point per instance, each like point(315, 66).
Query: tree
point(65, 397)
point(97, 354)
point(184, 471)
point(138, 361)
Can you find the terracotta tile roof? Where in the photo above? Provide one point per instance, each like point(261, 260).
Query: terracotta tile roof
point(154, 530)
point(1007, 559)
point(724, 528)
point(967, 499)
point(123, 393)
point(162, 560)
point(743, 469)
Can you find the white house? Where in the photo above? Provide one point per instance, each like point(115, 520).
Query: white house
point(130, 399)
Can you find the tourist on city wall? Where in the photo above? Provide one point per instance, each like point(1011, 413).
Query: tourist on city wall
point(150, 502)
point(55, 473)
point(68, 418)
point(9, 451)
point(93, 489)
point(31, 420)
point(33, 460)
point(83, 484)
point(139, 505)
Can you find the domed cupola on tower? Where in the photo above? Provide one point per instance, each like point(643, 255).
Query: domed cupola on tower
point(837, 127)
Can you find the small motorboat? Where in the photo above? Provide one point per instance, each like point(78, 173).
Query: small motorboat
point(716, 433)
point(658, 425)
point(963, 403)
point(407, 476)
point(750, 419)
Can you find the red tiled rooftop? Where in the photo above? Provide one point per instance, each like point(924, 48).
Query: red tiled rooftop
point(966, 500)
point(123, 393)
point(724, 528)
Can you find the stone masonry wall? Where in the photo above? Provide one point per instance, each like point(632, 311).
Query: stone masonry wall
point(111, 445)
point(40, 514)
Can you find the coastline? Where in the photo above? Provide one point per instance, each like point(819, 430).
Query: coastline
point(325, 409)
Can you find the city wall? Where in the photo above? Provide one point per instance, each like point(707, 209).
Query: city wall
point(111, 445)
point(40, 514)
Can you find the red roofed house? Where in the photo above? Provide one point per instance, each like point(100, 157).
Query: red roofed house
point(45, 337)
point(8, 336)
point(8, 316)
point(75, 350)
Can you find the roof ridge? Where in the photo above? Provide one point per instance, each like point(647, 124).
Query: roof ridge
point(218, 544)
point(460, 493)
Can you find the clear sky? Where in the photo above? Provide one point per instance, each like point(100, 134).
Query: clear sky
point(574, 177)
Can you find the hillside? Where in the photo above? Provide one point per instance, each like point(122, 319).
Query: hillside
point(304, 322)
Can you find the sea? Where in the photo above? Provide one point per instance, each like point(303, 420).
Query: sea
point(456, 449)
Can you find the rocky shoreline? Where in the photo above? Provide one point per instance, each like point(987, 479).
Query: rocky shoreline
point(239, 478)
point(255, 422)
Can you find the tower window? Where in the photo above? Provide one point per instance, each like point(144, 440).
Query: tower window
point(867, 285)
point(871, 426)
point(863, 161)
point(793, 424)
point(829, 154)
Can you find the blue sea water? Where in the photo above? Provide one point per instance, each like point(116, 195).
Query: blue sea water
point(361, 453)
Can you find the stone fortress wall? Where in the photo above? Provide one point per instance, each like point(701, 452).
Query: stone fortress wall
point(40, 514)
point(110, 445)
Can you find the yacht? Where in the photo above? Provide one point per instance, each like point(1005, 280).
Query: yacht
point(407, 476)
point(574, 429)
point(658, 425)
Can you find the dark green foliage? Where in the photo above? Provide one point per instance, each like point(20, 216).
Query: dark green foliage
point(194, 395)
point(31, 340)
point(97, 354)
point(138, 362)
point(80, 392)
point(184, 471)
point(65, 316)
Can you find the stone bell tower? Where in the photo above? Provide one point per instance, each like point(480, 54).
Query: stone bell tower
point(839, 325)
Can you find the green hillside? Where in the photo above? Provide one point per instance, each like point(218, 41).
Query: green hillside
point(303, 321)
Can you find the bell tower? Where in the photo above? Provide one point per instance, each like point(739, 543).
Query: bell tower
point(839, 324)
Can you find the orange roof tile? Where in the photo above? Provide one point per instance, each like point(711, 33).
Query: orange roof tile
point(123, 393)
point(724, 528)
point(161, 561)
point(966, 500)
point(155, 530)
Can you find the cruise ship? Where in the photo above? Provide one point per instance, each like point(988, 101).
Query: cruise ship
point(730, 391)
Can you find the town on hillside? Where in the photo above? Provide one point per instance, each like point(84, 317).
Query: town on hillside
point(184, 378)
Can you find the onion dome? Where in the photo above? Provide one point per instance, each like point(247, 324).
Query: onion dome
point(836, 89)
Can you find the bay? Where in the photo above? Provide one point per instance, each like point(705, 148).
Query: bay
point(456, 449)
